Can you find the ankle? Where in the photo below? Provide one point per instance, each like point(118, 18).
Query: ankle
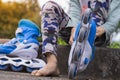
point(51, 58)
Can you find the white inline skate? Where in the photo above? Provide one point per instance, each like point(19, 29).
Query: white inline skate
point(21, 52)
point(82, 48)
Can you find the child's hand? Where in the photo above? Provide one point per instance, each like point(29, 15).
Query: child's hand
point(100, 30)
point(72, 35)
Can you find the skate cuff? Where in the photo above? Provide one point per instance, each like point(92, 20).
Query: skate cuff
point(30, 24)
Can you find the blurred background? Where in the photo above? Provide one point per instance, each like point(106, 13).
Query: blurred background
point(11, 11)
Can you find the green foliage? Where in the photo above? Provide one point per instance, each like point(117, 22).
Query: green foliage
point(61, 41)
point(114, 45)
point(11, 13)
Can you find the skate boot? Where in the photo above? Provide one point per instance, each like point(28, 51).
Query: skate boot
point(81, 49)
point(21, 52)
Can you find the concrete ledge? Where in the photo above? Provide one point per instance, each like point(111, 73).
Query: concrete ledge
point(106, 63)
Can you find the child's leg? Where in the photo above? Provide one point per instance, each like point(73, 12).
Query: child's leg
point(53, 19)
point(100, 11)
point(99, 16)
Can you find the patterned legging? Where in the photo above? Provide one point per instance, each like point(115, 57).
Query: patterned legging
point(54, 19)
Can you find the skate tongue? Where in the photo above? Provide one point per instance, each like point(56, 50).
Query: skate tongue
point(19, 30)
point(19, 34)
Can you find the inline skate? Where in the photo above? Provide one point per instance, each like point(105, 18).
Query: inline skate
point(82, 48)
point(21, 51)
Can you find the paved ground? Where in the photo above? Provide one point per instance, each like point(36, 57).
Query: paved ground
point(7, 75)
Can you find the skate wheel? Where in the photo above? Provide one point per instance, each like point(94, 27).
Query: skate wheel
point(72, 71)
point(4, 67)
point(82, 34)
point(31, 69)
point(16, 68)
point(77, 53)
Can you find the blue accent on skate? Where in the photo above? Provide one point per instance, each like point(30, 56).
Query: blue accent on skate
point(4, 59)
point(6, 49)
point(28, 34)
point(27, 23)
point(93, 53)
point(79, 54)
point(16, 68)
point(3, 67)
point(18, 60)
point(30, 31)
point(86, 61)
point(75, 71)
point(91, 37)
point(31, 41)
point(92, 33)
point(77, 31)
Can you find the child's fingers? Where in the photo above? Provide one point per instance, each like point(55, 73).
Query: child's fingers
point(100, 30)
